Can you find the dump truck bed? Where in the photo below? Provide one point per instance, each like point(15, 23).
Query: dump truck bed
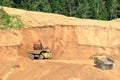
point(34, 52)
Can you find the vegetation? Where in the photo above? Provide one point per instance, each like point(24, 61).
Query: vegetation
point(8, 22)
point(93, 9)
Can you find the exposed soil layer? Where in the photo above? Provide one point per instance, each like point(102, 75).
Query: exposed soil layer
point(63, 41)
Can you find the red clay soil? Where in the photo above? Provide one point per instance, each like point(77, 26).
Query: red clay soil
point(72, 41)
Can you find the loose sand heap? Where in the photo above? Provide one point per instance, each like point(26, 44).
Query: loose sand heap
point(72, 41)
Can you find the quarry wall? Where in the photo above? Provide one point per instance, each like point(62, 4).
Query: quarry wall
point(65, 41)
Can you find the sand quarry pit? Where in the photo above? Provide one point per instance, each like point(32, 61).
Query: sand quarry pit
point(73, 42)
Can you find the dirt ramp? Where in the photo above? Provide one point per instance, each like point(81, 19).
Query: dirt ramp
point(52, 70)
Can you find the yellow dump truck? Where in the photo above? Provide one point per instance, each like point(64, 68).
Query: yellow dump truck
point(40, 54)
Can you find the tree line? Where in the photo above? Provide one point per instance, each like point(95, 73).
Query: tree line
point(89, 9)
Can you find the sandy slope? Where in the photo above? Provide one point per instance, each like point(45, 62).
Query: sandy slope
point(60, 70)
point(33, 19)
point(72, 41)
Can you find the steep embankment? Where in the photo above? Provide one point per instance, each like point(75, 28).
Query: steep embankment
point(65, 41)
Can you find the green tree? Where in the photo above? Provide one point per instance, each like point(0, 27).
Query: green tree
point(113, 9)
point(55, 5)
point(6, 3)
point(70, 7)
point(83, 9)
point(58, 6)
point(92, 7)
point(100, 10)
point(44, 5)
point(118, 8)
point(63, 7)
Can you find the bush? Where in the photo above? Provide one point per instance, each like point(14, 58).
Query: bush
point(8, 21)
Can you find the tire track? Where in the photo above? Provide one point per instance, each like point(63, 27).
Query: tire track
point(8, 74)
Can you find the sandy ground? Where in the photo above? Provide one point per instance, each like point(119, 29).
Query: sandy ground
point(73, 42)
point(26, 69)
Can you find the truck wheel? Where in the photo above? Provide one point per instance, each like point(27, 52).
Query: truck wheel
point(41, 57)
point(98, 65)
point(102, 66)
point(110, 67)
point(31, 56)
